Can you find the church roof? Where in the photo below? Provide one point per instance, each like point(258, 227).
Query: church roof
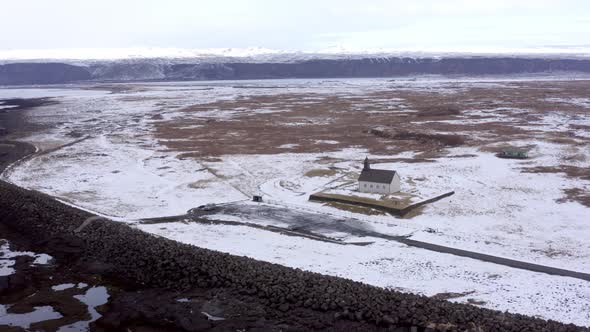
point(377, 175)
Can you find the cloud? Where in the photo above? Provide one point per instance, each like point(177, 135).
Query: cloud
point(435, 7)
point(293, 25)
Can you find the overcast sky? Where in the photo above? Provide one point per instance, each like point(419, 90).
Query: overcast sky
point(294, 25)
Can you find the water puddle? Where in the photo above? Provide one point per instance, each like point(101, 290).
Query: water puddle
point(94, 297)
point(24, 321)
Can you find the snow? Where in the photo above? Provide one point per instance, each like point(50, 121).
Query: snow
point(288, 146)
point(32, 92)
point(122, 148)
point(25, 320)
point(130, 183)
point(42, 259)
point(584, 102)
point(559, 122)
point(62, 287)
point(260, 54)
point(496, 208)
point(130, 53)
point(7, 255)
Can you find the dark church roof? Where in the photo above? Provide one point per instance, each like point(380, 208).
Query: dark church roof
point(377, 175)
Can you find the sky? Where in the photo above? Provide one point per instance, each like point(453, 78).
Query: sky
point(302, 25)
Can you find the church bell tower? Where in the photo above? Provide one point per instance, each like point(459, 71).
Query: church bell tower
point(366, 166)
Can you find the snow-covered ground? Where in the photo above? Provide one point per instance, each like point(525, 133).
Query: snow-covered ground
point(496, 208)
point(122, 170)
point(125, 182)
point(7, 258)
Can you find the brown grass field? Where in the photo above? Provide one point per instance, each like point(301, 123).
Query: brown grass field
point(389, 122)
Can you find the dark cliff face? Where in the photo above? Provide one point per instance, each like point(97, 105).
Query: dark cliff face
point(41, 73)
point(155, 69)
point(400, 67)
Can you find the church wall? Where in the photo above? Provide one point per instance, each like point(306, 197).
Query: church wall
point(372, 187)
point(395, 185)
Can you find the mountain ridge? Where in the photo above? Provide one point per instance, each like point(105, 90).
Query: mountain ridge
point(164, 69)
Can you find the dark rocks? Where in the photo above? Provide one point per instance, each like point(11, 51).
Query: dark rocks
point(4, 284)
point(19, 281)
point(75, 134)
point(61, 244)
point(388, 320)
point(99, 267)
point(192, 324)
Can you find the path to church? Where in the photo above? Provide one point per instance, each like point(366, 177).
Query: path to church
point(315, 223)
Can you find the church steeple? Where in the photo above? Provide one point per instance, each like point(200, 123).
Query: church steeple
point(366, 166)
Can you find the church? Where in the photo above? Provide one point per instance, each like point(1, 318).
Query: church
point(378, 181)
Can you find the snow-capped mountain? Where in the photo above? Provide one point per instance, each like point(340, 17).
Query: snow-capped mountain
point(259, 54)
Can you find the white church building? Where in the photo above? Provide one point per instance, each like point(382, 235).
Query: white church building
point(378, 181)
